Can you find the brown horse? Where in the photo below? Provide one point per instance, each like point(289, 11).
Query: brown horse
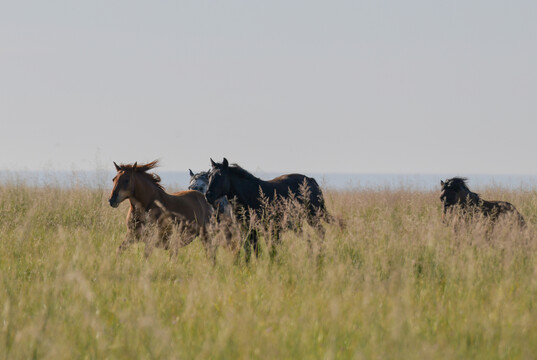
point(455, 193)
point(151, 204)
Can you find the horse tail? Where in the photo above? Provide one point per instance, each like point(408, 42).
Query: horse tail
point(323, 212)
point(519, 218)
point(521, 221)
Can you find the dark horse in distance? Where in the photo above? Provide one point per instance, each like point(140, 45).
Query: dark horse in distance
point(455, 192)
point(151, 204)
point(252, 194)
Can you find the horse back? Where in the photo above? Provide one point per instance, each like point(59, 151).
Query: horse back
point(497, 208)
point(293, 183)
point(191, 204)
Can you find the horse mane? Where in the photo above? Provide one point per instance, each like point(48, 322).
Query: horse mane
point(202, 174)
point(238, 171)
point(459, 184)
point(143, 171)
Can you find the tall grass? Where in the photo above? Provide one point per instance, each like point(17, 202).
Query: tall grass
point(393, 282)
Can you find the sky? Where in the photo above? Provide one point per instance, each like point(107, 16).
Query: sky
point(276, 86)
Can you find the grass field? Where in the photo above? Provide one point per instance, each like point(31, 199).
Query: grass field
point(394, 283)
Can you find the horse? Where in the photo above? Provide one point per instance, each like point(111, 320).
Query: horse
point(252, 194)
point(455, 193)
point(200, 182)
point(150, 204)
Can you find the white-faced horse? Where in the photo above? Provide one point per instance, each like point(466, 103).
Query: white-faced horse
point(200, 182)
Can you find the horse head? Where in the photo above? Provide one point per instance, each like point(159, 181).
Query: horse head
point(454, 191)
point(219, 183)
point(199, 181)
point(123, 184)
point(124, 181)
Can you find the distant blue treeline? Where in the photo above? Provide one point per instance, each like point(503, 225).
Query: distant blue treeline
point(177, 180)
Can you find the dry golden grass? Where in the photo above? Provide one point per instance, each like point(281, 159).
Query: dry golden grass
point(393, 282)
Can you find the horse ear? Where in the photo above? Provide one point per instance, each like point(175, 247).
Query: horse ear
point(191, 173)
point(441, 183)
point(134, 166)
point(225, 163)
point(213, 164)
point(117, 166)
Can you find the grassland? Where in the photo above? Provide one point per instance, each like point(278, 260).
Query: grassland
point(394, 283)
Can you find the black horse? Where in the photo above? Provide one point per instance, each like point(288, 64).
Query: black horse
point(253, 194)
point(455, 192)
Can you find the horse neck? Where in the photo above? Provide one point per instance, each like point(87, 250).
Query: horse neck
point(469, 197)
point(146, 192)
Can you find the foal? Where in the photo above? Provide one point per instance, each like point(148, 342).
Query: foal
point(455, 192)
point(150, 204)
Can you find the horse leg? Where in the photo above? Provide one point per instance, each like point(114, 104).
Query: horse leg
point(173, 243)
point(150, 244)
point(129, 239)
point(314, 220)
point(228, 236)
point(246, 246)
point(251, 243)
point(276, 229)
point(255, 242)
point(134, 233)
point(160, 239)
point(208, 245)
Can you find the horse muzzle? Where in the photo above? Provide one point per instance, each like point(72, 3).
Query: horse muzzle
point(113, 202)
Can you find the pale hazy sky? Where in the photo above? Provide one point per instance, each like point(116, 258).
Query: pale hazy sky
point(309, 86)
